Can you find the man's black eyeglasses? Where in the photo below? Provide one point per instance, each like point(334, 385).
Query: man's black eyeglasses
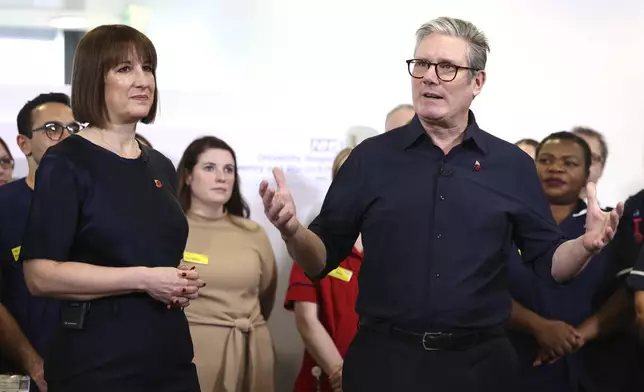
point(55, 130)
point(444, 71)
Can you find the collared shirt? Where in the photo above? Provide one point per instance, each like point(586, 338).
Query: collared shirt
point(38, 317)
point(571, 303)
point(636, 275)
point(627, 244)
point(336, 297)
point(621, 360)
point(437, 229)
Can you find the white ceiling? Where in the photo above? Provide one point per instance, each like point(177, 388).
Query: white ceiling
point(38, 14)
point(39, 4)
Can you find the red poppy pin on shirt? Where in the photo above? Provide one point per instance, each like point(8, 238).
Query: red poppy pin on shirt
point(477, 166)
point(158, 183)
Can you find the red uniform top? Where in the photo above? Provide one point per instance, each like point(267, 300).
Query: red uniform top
point(336, 296)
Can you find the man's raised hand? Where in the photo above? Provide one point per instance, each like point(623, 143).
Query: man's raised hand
point(278, 204)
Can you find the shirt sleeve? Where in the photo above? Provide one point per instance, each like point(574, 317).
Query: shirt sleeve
point(535, 231)
point(54, 213)
point(625, 247)
point(6, 253)
point(171, 173)
point(269, 266)
point(6, 259)
point(635, 278)
point(300, 288)
point(339, 221)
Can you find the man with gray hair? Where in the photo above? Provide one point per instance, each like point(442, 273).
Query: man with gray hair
point(439, 203)
point(598, 153)
point(399, 116)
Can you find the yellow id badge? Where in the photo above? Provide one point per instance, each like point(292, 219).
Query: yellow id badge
point(16, 253)
point(342, 274)
point(196, 258)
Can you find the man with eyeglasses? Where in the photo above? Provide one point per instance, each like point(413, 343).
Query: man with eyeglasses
point(598, 150)
point(399, 116)
point(439, 203)
point(27, 322)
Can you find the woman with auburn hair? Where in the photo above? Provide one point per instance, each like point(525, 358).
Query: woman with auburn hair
point(106, 234)
point(325, 315)
point(232, 343)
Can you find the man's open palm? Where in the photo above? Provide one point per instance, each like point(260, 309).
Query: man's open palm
point(600, 225)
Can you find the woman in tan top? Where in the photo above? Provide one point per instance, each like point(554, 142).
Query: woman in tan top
point(232, 344)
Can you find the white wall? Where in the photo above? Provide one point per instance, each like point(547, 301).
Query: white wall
point(33, 62)
point(270, 75)
point(337, 64)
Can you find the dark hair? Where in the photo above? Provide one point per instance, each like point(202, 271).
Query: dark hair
point(100, 50)
point(585, 131)
point(142, 140)
point(529, 142)
point(236, 206)
point(3, 144)
point(565, 135)
point(25, 115)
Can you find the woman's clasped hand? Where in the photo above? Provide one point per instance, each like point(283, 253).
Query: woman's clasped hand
point(175, 287)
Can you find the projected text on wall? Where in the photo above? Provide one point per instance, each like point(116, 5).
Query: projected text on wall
point(314, 163)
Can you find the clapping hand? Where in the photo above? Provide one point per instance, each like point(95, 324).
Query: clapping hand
point(278, 205)
point(600, 225)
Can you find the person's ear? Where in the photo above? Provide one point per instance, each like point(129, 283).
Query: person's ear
point(25, 144)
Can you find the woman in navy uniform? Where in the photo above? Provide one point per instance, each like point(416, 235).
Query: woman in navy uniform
point(631, 238)
point(630, 254)
point(551, 325)
point(636, 282)
point(106, 233)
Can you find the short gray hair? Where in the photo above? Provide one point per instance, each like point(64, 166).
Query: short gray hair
point(400, 107)
point(477, 42)
point(589, 132)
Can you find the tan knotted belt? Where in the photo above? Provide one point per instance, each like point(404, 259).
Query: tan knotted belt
point(236, 350)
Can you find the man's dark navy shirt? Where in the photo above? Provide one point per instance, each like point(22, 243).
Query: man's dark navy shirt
point(437, 229)
point(37, 317)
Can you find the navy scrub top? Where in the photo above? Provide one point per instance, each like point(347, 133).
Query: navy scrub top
point(37, 317)
point(572, 303)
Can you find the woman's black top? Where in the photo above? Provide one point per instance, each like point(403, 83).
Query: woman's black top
point(93, 206)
